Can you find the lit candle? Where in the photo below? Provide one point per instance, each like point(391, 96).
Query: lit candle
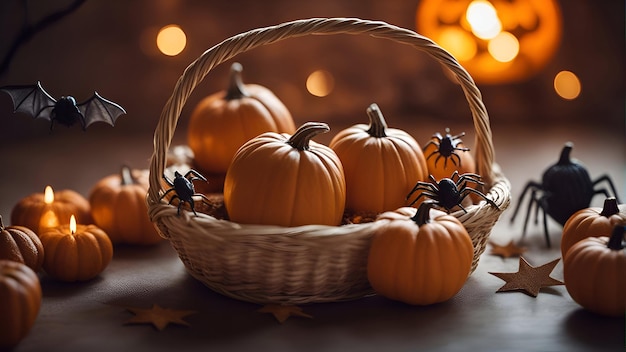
point(39, 211)
point(75, 252)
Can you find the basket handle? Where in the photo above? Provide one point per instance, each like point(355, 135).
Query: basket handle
point(197, 70)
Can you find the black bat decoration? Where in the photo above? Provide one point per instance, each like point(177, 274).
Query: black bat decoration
point(35, 101)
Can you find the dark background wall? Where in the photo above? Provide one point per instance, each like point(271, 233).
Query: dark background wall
point(108, 46)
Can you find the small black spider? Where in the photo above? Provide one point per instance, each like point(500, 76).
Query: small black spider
point(446, 148)
point(184, 189)
point(448, 193)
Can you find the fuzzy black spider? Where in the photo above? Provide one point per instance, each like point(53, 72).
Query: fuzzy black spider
point(446, 148)
point(184, 190)
point(448, 193)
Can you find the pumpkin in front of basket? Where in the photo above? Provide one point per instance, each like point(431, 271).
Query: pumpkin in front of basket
point(286, 180)
point(20, 300)
point(593, 272)
point(224, 121)
point(419, 259)
point(592, 221)
point(76, 252)
point(118, 206)
point(381, 164)
point(21, 244)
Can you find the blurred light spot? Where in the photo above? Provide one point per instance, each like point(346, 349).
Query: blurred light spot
point(567, 85)
point(171, 40)
point(460, 43)
point(483, 19)
point(320, 83)
point(504, 47)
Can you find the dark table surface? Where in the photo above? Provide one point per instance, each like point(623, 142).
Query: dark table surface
point(91, 316)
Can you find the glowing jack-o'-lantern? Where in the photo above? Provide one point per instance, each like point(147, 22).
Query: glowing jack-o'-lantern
point(497, 41)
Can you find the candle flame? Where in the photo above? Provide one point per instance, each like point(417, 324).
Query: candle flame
point(48, 195)
point(72, 224)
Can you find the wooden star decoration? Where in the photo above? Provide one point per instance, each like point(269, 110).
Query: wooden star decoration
point(283, 312)
point(529, 279)
point(158, 316)
point(507, 251)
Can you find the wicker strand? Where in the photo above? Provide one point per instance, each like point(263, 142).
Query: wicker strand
point(304, 264)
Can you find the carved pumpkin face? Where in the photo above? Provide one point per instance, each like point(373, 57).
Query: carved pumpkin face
point(497, 41)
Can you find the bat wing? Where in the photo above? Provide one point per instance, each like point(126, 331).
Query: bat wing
point(97, 109)
point(31, 99)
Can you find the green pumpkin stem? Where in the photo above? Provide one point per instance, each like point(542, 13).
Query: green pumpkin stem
point(565, 154)
point(300, 139)
point(378, 125)
point(610, 207)
point(236, 88)
point(127, 176)
point(616, 241)
point(423, 213)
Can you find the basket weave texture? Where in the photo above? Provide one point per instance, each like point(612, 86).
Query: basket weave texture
point(313, 263)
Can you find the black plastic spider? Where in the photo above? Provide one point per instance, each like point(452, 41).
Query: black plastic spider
point(448, 193)
point(446, 147)
point(565, 188)
point(184, 189)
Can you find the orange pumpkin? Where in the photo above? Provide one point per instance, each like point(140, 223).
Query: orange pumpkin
point(446, 154)
point(224, 121)
point(20, 300)
point(286, 180)
point(419, 259)
point(593, 272)
point(118, 206)
point(592, 222)
point(21, 244)
point(37, 213)
point(381, 164)
point(76, 254)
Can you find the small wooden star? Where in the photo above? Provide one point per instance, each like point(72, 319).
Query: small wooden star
point(529, 279)
point(507, 251)
point(283, 312)
point(159, 317)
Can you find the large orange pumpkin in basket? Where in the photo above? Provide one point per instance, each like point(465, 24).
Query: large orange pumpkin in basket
point(224, 121)
point(381, 164)
point(419, 259)
point(283, 180)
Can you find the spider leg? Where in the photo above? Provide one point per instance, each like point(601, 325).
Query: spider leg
point(166, 192)
point(542, 204)
point(195, 175)
point(168, 181)
point(424, 186)
point(428, 194)
point(608, 180)
point(532, 185)
point(467, 191)
point(176, 197)
point(458, 136)
point(458, 158)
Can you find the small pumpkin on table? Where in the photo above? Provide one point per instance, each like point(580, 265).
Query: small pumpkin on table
point(21, 244)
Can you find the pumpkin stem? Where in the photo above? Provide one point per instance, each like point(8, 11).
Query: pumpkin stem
point(378, 125)
point(610, 207)
point(236, 88)
point(423, 213)
point(1, 224)
point(616, 241)
point(565, 153)
point(300, 139)
point(127, 176)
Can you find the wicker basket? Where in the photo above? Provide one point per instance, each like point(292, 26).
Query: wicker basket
point(305, 264)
